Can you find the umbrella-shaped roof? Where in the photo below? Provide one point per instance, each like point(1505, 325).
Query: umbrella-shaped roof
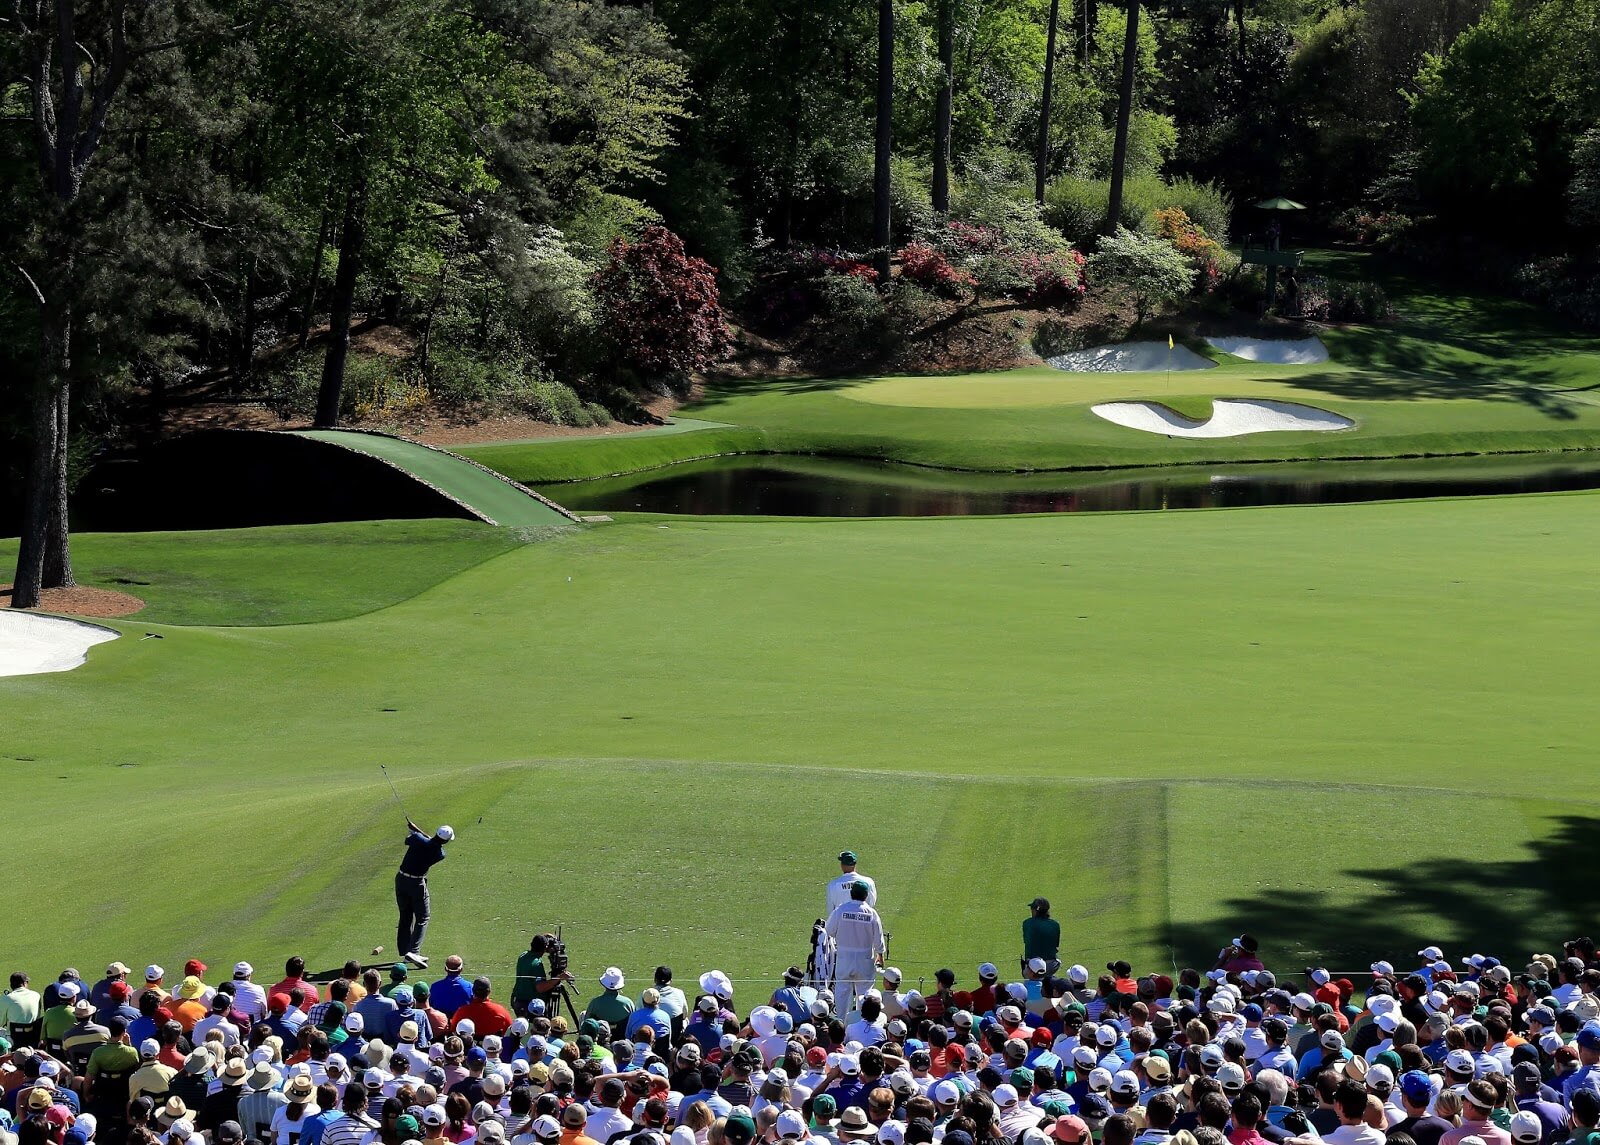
point(1280, 204)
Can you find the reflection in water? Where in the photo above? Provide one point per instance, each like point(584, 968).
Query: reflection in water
point(821, 487)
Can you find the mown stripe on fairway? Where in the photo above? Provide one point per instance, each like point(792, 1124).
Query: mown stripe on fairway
point(1340, 875)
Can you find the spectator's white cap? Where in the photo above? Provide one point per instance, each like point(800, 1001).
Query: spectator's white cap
point(154, 973)
point(149, 1048)
point(1525, 1127)
point(612, 979)
point(791, 1126)
point(1005, 1096)
point(243, 970)
point(988, 971)
point(1077, 974)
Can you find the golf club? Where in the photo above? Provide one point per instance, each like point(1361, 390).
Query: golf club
point(398, 801)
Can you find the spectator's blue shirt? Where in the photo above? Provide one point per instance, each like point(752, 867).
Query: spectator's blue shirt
point(1279, 1059)
point(848, 1093)
point(450, 993)
point(312, 1129)
point(707, 1034)
point(793, 1002)
point(654, 1017)
point(1584, 1077)
point(397, 1018)
point(139, 1029)
point(719, 1105)
point(1550, 1115)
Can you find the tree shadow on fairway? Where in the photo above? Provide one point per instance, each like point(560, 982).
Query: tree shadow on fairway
point(1509, 907)
point(1415, 380)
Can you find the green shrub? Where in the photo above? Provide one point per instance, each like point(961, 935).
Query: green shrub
point(851, 301)
point(1149, 270)
point(1077, 206)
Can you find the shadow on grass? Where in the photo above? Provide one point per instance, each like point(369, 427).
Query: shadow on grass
point(1487, 382)
point(1509, 908)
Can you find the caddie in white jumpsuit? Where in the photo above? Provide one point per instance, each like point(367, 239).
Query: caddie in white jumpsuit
point(857, 935)
point(839, 888)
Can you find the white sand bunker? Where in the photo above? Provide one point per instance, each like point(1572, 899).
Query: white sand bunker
point(1130, 358)
point(1229, 418)
point(1274, 351)
point(30, 643)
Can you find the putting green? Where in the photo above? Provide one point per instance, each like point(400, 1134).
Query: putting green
point(1350, 727)
point(1453, 374)
point(483, 492)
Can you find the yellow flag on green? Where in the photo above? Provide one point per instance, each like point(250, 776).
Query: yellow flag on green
point(1169, 341)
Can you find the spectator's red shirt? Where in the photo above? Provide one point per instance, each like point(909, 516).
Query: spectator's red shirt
point(486, 1018)
point(983, 999)
point(312, 997)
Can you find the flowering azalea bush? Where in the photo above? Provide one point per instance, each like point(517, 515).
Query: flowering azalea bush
point(661, 305)
point(928, 267)
point(997, 264)
point(1191, 240)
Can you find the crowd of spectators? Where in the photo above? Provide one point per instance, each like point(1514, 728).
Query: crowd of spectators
point(1471, 1052)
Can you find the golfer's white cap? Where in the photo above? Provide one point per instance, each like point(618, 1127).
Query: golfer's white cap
point(446, 833)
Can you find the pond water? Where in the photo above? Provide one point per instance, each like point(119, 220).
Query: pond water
point(794, 486)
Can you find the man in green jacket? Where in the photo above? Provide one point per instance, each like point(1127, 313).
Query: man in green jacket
point(1041, 934)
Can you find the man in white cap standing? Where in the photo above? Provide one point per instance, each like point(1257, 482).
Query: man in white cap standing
point(839, 888)
point(857, 935)
point(411, 890)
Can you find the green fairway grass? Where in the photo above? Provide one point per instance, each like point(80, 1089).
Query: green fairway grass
point(1342, 725)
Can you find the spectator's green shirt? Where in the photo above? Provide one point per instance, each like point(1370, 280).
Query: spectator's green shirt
point(1041, 938)
point(57, 1021)
point(611, 1007)
point(530, 972)
point(113, 1057)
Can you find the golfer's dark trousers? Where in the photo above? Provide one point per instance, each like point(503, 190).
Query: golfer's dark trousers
point(411, 896)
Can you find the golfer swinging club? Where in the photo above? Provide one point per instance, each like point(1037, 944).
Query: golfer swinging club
point(411, 889)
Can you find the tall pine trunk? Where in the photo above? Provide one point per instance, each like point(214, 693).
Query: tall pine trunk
point(43, 555)
point(1042, 163)
point(1119, 147)
point(352, 235)
point(943, 106)
point(883, 150)
point(313, 276)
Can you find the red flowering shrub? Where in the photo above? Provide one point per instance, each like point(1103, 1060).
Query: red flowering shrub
point(661, 305)
point(1190, 239)
point(927, 266)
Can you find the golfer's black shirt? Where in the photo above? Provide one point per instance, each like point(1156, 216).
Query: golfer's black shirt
point(421, 853)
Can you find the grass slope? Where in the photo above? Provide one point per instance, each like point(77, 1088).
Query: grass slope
point(1173, 725)
point(484, 493)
